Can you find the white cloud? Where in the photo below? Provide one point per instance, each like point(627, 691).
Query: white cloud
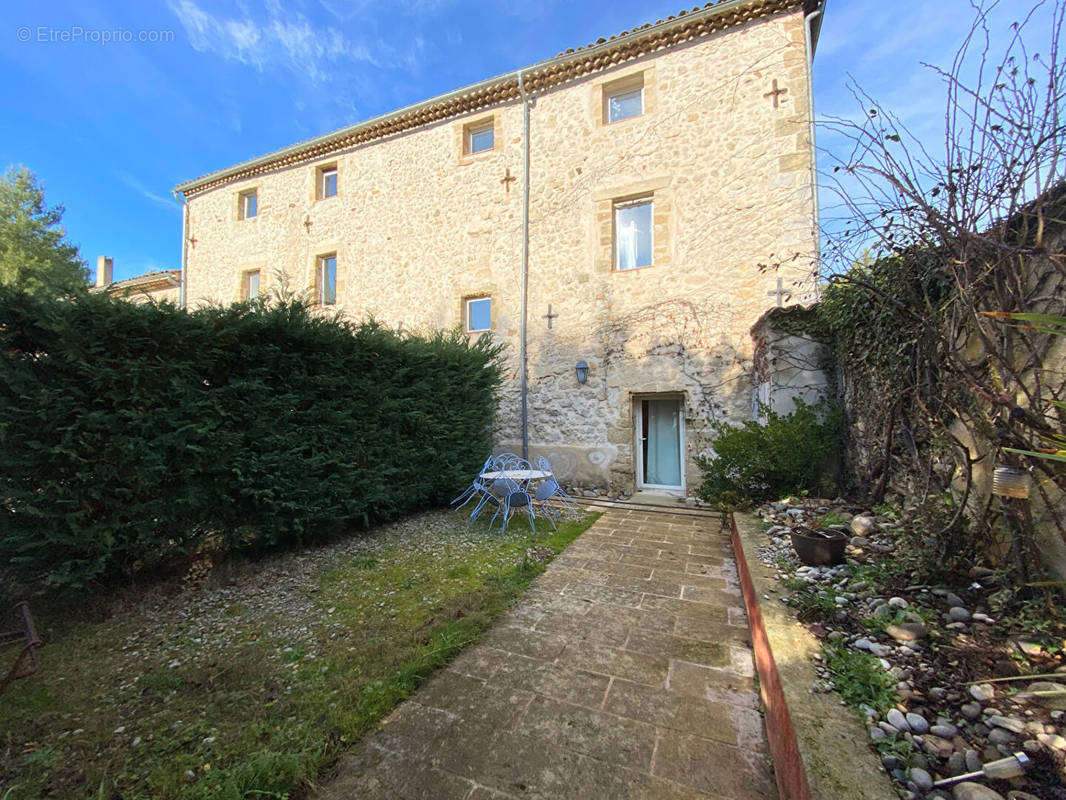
point(137, 186)
point(285, 40)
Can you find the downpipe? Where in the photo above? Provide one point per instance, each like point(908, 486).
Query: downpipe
point(523, 356)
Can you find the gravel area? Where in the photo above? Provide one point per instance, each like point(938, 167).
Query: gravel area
point(274, 597)
point(938, 644)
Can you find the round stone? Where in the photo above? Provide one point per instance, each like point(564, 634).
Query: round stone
point(917, 722)
point(897, 720)
point(974, 791)
point(907, 631)
point(982, 692)
point(1052, 741)
point(973, 761)
point(944, 729)
point(1000, 736)
point(1009, 723)
point(957, 763)
point(863, 525)
point(971, 711)
point(959, 614)
point(922, 779)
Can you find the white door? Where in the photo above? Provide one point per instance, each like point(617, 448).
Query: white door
point(660, 443)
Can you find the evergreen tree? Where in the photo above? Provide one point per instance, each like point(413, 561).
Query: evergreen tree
point(34, 253)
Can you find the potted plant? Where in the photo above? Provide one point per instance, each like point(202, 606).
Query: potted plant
point(818, 548)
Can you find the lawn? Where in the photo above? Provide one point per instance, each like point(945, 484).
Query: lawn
point(249, 685)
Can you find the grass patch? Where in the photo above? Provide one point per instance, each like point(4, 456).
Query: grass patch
point(859, 678)
point(811, 602)
point(829, 519)
point(132, 705)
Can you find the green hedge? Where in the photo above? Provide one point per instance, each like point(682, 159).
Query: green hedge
point(131, 434)
point(785, 455)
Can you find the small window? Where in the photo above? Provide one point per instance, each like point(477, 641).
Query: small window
point(327, 279)
point(478, 314)
point(480, 137)
point(327, 182)
point(624, 99)
point(250, 284)
point(633, 234)
point(248, 204)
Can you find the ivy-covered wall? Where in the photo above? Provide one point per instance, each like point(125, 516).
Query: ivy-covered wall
point(134, 435)
point(938, 387)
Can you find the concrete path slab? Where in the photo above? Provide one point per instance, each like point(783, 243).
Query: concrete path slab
point(625, 672)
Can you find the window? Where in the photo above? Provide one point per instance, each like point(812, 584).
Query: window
point(478, 314)
point(633, 234)
point(247, 204)
point(480, 137)
point(250, 284)
point(623, 99)
point(327, 182)
point(327, 279)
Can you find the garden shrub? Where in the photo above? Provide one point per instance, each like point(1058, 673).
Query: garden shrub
point(131, 434)
point(755, 462)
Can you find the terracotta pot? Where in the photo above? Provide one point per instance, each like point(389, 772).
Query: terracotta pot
point(819, 548)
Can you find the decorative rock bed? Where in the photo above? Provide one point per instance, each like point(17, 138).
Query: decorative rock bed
point(939, 644)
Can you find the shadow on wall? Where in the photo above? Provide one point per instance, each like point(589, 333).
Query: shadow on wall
point(674, 347)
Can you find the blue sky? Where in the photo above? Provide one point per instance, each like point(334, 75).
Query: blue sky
point(110, 127)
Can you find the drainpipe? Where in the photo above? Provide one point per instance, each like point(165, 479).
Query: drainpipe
point(184, 246)
point(811, 43)
point(522, 357)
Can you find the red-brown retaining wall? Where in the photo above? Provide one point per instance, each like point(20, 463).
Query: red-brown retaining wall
point(788, 766)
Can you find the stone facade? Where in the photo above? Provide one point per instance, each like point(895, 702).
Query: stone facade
point(418, 225)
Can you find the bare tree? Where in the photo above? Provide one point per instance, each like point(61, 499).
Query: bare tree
point(931, 241)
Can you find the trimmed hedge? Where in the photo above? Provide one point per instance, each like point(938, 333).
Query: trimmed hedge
point(131, 435)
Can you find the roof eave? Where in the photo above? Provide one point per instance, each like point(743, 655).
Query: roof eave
point(590, 52)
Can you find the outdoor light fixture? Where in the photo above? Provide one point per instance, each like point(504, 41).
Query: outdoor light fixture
point(582, 371)
point(1010, 482)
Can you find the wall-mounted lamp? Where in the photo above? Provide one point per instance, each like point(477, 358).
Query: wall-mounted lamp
point(582, 370)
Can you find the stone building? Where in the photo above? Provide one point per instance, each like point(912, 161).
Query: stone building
point(158, 286)
point(614, 208)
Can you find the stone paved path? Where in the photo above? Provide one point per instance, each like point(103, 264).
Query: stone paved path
point(625, 672)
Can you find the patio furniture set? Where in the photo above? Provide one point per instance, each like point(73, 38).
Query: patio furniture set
point(509, 485)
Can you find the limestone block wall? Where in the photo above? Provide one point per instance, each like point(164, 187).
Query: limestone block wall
point(417, 226)
point(789, 367)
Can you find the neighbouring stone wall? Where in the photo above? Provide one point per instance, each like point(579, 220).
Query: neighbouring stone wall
point(417, 226)
point(789, 366)
point(154, 294)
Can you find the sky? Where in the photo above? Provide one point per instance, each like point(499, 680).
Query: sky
point(114, 104)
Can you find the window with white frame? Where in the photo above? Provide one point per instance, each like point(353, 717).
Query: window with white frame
point(479, 137)
point(477, 314)
point(248, 204)
point(250, 284)
point(633, 233)
point(327, 279)
point(623, 99)
point(327, 182)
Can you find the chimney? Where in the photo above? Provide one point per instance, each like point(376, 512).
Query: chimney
point(105, 270)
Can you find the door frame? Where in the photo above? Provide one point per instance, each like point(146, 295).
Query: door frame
point(638, 438)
